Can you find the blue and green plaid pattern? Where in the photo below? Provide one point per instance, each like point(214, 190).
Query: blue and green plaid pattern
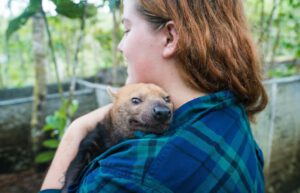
point(209, 147)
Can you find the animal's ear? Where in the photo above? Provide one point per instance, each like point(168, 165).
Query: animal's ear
point(111, 92)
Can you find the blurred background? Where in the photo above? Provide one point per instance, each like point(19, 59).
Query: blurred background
point(58, 56)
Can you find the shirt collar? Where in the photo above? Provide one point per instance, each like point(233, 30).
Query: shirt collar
point(197, 107)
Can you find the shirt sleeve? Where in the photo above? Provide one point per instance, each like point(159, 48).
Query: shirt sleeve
point(118, 183)
point(50, 191)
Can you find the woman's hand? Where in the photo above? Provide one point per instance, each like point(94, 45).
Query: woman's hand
point(68, 147)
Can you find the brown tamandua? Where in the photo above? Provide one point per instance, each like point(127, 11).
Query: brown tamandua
point(144, 107)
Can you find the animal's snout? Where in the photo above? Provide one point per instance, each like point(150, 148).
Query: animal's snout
point(161, 113)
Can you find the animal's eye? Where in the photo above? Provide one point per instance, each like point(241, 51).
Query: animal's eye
point(167, 99)
point(136, 100)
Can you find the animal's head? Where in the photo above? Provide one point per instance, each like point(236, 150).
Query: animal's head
point(144, 107)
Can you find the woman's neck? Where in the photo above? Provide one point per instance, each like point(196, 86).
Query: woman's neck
point(181, 95)
point(179, 91)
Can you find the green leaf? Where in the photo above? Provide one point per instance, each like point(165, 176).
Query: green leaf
point(60, 114)
point(16, 23)
point(51, 143)
point(298, 52)
point(73, 10)
point(47, 127)
point(44, 157)
point(74, 107)
point(55, 122)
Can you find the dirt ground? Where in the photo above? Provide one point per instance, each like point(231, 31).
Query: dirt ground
point(22, 182)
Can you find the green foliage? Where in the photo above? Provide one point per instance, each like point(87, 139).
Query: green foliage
point(56, 125)
point(64, 7)
point(97, 46)
point(51, 143)
point(16, 23)
point(287, 23)
point(74, 10)
point(16, 69)
point(64, 32)
point(104, 38)
point(44, 157)
point(276, 26)
point(283, 71)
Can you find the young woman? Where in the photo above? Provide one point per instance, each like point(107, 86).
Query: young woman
point(200, 52)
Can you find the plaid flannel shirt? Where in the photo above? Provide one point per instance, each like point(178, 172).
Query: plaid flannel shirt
point(209, 147)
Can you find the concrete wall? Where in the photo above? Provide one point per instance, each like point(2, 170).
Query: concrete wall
point(278, 132)
point(15, 116)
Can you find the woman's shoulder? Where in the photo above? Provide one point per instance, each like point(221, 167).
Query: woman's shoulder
point(131, 156)
point(208, 139)
point(201, 157)
point(212, 139)
point(197, 129)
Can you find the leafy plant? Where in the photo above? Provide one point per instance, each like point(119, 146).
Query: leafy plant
point(283, 71)
point(276, 26)
point(22, 19)
point(72, 10)
point(63, 7)
point(55, 126)
point(59, 120)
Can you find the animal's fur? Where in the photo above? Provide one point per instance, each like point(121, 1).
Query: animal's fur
point(144, 107)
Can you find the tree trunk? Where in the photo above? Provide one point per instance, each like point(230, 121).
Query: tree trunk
point(114, 47)
point(1, 75)
point(39, 93)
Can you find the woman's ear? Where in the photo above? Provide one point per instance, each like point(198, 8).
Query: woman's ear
point(171, 39)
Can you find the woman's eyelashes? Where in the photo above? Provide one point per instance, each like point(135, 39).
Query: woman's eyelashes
point(126, 31)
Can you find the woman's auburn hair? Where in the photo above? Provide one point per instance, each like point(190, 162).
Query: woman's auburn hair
point(214, 50)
